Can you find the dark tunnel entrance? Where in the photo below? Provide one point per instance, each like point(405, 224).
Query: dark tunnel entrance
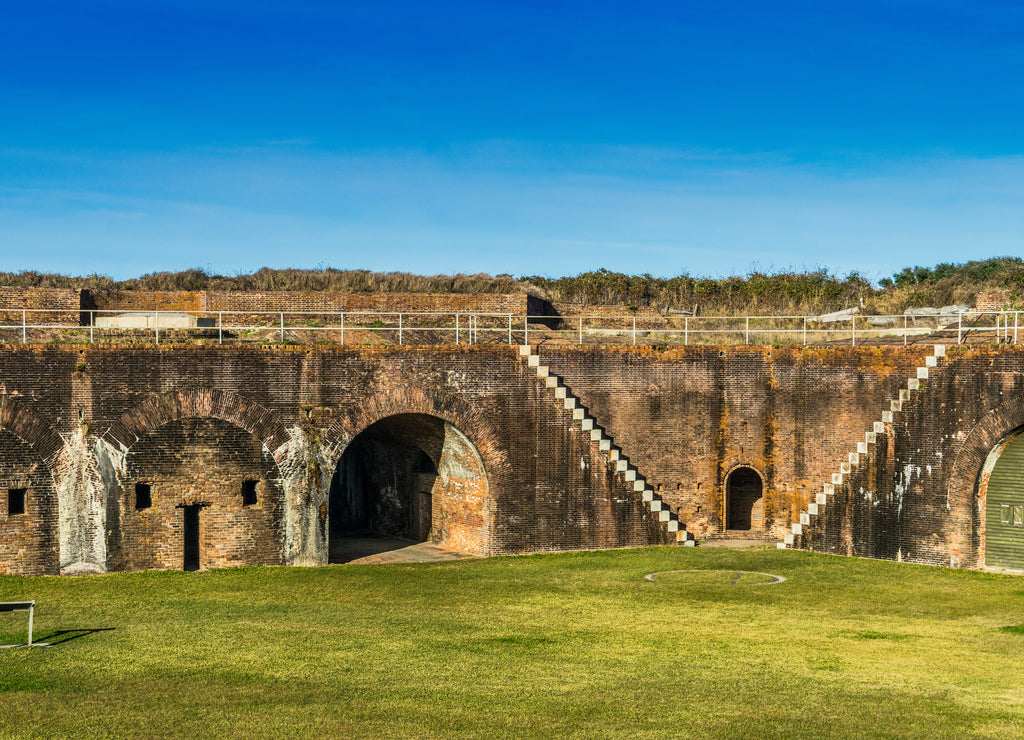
point(407, 478)
point(744, 500)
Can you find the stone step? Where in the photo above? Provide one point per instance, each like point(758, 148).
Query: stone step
point(589, 424)
point(895, 405)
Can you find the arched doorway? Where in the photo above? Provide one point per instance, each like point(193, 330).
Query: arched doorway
point(405, 479)
point(744, 500)
point(1002, 485)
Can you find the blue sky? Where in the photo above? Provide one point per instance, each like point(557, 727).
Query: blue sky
point(529, 138)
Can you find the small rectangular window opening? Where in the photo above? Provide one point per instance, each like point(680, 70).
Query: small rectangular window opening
point(143, 496)
point(1018, 515)
point(16, 501)
point(249, 493)
point(1004, 514)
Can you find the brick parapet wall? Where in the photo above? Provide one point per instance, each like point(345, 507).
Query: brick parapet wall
point(267, 303)
point(49, 306)
point(992, 300)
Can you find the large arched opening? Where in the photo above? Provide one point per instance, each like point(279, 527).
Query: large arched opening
point(744, 500)
point(405, 479)
point(1001, 491)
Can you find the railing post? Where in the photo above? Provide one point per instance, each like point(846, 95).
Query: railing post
point(156, 325)
point(746, 331)
point(634, 331)
point(1016, 316)
point(853, 331)
point(24, 331)
point(220, 327)
point(581, 330)
point(456, 329)
point(510, 330)
point(282, 326)
point(526, 328)
point(92, 323)
point(400, 329)
point(960, 328)
point(686, 330)
point(342, 327)
point(805, 331)
point(905, 329)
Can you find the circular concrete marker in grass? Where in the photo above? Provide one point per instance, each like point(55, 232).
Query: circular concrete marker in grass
point(707, 577)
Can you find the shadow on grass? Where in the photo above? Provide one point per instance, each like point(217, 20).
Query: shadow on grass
point(56, 638)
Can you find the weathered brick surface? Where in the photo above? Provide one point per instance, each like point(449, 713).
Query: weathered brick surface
point(46, 306)
point(197, 461)
point(690, 416)
point(28, 542)
point(293, 302)
point(198, 420)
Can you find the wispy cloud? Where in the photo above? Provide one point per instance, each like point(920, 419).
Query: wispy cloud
point(500, 207)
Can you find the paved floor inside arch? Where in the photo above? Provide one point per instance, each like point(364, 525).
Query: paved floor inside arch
point(369, 549)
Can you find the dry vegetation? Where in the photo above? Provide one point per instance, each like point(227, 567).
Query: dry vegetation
point(793, 293)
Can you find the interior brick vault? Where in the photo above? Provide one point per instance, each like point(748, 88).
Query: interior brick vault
point(133, 457)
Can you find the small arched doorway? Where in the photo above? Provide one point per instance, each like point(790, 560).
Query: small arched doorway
point(744, 500)
point(1002, 485)
point(405, 479)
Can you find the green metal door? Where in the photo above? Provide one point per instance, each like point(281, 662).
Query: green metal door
point(1004, 509)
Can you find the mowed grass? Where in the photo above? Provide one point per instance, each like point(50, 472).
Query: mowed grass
point(567, 645)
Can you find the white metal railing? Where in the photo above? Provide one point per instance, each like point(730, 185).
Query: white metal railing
point(31, 325)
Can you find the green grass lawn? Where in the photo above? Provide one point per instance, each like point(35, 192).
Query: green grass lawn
point(570, 645)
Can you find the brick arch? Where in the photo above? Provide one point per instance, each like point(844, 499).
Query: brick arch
point(34, 430)
point(977, 445)
point(164, 408)
point(412, 400)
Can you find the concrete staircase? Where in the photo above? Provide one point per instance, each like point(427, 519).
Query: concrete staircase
point(863, 448)
point(580, 415)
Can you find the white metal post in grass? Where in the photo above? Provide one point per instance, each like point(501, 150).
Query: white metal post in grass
point(853, 331)
point(220, 327)
point(23, 606)
point(634, 331)
point(686, 330)
point(400, 329)
point(510, 330)
point(581, 330)
point(282, 326)
point(960, 328)
point(156, 325)
point(24, 332)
